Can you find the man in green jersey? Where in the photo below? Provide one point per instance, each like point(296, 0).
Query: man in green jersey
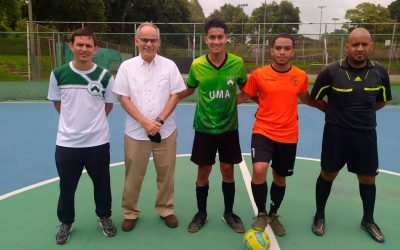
point(216, 75)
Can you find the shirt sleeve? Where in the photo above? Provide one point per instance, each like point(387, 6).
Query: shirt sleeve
point(192, 82)
point(121, 83)
point(321, 85)
point(250, 88)
point(53, 92)
point(386, 93)
point(176, 81)
point(243, 76)
point(110, 96)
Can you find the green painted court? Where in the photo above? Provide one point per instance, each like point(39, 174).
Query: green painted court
point(29, 221)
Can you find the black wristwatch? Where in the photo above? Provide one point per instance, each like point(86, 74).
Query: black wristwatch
point(158, 119)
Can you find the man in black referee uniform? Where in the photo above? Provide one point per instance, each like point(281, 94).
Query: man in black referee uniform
point(356, 88)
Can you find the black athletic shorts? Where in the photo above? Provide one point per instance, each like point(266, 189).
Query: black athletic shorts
point(205, 147)
point(283, 155)
point(356, 148)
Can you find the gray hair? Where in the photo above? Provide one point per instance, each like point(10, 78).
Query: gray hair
point(147, 24)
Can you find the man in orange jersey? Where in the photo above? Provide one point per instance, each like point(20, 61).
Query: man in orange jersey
point(275, 131)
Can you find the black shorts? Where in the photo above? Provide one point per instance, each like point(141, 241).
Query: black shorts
point(356, 148)
point(283, 155)
point(205, 147)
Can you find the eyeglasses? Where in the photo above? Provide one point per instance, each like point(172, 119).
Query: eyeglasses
point(146, 40)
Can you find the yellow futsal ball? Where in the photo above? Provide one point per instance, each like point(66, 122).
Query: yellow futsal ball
point(256, 240)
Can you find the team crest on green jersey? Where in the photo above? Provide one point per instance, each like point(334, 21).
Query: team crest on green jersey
point(230, 81)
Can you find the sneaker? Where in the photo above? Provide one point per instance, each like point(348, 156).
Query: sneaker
point(318, 226)
point(64, 233)
point(373, 230)
point(234, 222)
point(197, 222)
point(108, 227)
point(261, 222)
point(276, 225)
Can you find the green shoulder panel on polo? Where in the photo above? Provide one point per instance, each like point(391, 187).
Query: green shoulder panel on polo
point(216, 110)
point(66, 76)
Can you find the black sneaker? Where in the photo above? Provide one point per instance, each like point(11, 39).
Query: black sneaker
point(64, 233)
point(318, 226)
point(108, 227)
point(197, 222)
point(373, 230)
point(234, 222)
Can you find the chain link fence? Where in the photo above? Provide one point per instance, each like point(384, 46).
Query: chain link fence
point(32, 55)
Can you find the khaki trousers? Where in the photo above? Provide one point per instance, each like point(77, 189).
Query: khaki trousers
point(137, 154)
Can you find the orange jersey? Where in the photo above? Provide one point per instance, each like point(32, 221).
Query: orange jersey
point(277, 93)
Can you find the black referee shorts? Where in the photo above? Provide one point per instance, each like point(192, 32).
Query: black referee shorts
point(356, 148)
point(205, 147)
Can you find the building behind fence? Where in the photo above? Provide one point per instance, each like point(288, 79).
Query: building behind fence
point(45, 48)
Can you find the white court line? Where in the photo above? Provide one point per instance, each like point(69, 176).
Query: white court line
point(18, 191)
point(247, 182)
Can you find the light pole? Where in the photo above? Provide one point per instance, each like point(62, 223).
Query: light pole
point(242, 5)
point(335, 19)
point(320, 20)
point(263, 47)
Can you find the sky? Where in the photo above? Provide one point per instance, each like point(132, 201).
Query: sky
point(309, 11)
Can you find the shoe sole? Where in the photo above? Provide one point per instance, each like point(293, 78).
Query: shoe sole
point(107, 235)
point(195, 230)
point(236, 230)
point(69, 236)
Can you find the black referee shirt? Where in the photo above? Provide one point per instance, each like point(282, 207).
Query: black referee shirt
point(352, 93)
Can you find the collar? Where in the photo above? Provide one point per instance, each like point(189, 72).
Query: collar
point(344, 64)
point(155, 60)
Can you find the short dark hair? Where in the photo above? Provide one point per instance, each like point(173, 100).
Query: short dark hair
point(85, 31)
point(215, 23)
point(283, 35)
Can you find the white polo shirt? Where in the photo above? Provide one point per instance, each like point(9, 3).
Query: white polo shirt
point(149, 86)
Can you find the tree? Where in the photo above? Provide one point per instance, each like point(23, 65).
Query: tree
point(69, 11)
point(196, 11)
point(10, 13)
point(284, 12)
point(231, 14)
point(394, 9)
point(367, 15)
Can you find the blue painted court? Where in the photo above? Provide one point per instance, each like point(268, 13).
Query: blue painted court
point(27, 146)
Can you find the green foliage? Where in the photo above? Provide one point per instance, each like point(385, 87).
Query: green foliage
point(10, 13)
point(72, 10)
point(231, 14)
point(365, 15)
point(284, 12)
point(394, 9)
point(196, 12)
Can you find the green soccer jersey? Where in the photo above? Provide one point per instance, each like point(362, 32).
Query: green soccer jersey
point(216, 110)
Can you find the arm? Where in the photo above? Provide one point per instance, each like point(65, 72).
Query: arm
point(151, 126)
point(379, 105)
point(169, 107)
point(108, 108)
point(57, 106)
point(185, 93)
point(319, 104)
point(242, 97)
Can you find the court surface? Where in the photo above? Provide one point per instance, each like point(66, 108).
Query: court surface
point(29, 216)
